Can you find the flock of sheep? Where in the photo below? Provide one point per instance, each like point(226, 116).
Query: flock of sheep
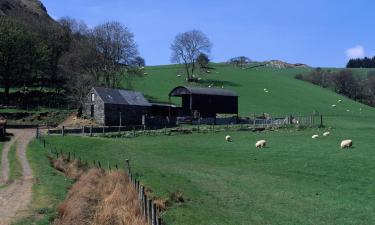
point(262, 143)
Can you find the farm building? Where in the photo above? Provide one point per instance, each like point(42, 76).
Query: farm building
point(2, 127)
point(208, 102)
point(112, 107)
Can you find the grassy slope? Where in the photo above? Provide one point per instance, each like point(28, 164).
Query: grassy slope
point(15, 168)
point(49, 189)
point(286, 94)
point(296, 180)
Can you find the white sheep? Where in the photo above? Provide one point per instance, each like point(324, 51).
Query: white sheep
point(145, 73)
point(339, 101)
point(265, 89)
point(314, 136)
point(346, 143)
point(178, 75)
point(333, 105)
point(348, 110)
point(228, 138)
point(325, 134)
point(260, 144)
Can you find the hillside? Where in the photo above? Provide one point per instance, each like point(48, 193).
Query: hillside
point(17, 8)
point(286, 94)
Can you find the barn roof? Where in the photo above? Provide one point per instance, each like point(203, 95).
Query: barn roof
point(183, 90)
point(121, 97)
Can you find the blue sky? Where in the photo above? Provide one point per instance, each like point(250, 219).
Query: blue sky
point(317, 32)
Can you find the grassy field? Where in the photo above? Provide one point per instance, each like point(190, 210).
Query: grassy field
point(296, 180)
point(49, 189)
point(15, 168)
point(286, 94)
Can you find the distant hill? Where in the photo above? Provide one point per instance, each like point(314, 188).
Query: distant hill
point(25, 10)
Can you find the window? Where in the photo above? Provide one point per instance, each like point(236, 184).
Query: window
point(92, 97)
point(92, 111)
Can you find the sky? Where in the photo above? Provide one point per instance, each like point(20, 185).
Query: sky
point(323, 33)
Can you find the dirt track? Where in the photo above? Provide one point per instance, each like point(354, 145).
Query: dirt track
point(15, 197)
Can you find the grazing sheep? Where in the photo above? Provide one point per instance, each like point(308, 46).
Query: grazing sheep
point(178, 75)
point(339, 101)
point(145, 73)
point(265, 89)
point(314, 136)
point(333, 105)
point(260, 144)
point(346, 143)
point(199, 78)
point(228, 138)
point(348, 110)
point(325, 134)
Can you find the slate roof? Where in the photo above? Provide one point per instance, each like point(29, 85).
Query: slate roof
point(121, 97)
point(182, 90)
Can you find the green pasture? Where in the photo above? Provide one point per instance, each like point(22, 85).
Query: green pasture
point(295, 180)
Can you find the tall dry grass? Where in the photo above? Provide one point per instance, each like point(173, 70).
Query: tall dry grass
point(98, 197)
point(119, 204)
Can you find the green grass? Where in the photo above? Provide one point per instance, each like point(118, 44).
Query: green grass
point(286, 94)
point(15, 168)
point(296, 180)
point(50, 188)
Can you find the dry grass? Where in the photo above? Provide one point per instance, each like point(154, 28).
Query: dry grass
point(98, 197)
point(81, 203)
point(119, 204)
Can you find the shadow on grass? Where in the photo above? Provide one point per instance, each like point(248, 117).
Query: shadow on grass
point(218, 83)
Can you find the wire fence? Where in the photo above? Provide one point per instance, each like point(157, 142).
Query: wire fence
point(148, 208)
point(251, 124)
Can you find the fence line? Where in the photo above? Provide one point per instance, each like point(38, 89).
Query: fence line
point(245, 123)
point(148, 208)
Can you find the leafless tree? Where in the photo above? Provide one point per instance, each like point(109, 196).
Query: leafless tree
point(186, 48)
point(117, 46)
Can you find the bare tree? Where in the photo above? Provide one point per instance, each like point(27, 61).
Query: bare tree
point(186, 48)
point(117, 46)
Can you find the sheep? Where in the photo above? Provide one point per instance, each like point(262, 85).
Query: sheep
point(314, 136)
point(228, 138)
point(339, 101)
point(333, 105)
point(325, 134)
point(145, 73)
point(260, 144)
point(178, 75)
point(265, 89)
point(348, 110)
point(346, 143)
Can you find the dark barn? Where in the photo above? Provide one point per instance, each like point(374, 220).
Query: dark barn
point(112, 107)
point(206, 101)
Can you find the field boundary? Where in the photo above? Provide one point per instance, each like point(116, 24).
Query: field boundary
point(148, 208)
point(137, 130)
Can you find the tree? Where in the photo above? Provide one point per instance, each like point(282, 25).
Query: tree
point(346, 84)
point(139, 61)
point(203, 61)
point(22, 54)
point(240, 61)
point(186, 48)
point(116, 45)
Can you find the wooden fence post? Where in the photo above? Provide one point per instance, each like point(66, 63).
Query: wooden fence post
point(145, 205)
point(321, 120)
point(63, 131)
point(127, 166)
point(83, 130)
point(68, 156)
point(91, 131)
point(149, 207)
point(153, 214)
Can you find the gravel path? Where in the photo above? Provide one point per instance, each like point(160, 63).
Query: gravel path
point(15, 197)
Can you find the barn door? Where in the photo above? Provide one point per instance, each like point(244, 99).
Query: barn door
point(92, 111)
